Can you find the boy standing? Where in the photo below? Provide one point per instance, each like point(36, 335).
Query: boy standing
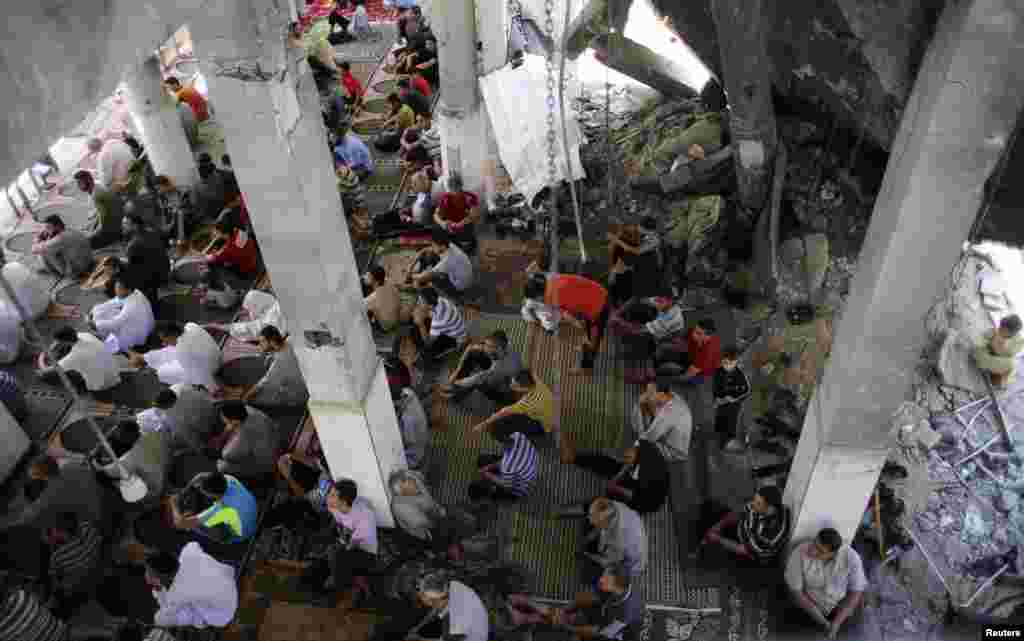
point(731, 388)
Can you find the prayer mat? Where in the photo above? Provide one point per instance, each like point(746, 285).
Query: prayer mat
point(366, 130)
point(234, 349)
point(137, 390)
point(377, 106)
point(79, 436)
point(186, 308)
point(385, 87)
point(20, 243)
point(245, 371)
point(377, 11)
point(189, 270)
point(506, 260)
point(46, 409)
point(396, 261)
point(73, 294)
point(56, 311)
point(668, 625)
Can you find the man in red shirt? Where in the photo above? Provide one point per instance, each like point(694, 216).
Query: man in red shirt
point(353, 87)
point(458, 211)
point(700, 361)
point(548, 296)
point(191, 97)
point(420, 84)
point(239, 252)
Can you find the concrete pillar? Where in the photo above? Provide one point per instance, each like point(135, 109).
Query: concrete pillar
point(270, 109)
point(963, 109)
point(746, 71)
point(493, 22)
point(467, 144)
point(159, 126)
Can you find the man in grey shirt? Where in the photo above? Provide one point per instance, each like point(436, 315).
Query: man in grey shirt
point(618, 539)
point(413, 423)
point(194, 417)
point(283, 384)
point(488, 367)
point(663, 418)
point(65, 252)
point(251, 440)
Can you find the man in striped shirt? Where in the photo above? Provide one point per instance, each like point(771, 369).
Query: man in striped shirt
point(533, 414)
point(440, 328)
point(76, 555)
point(24, 618)
point(508, 476)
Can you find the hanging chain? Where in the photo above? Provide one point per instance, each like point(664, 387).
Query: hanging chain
point(549, 27)
point(609, 167)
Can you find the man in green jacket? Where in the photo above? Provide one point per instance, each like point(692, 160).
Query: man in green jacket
point(996, 352)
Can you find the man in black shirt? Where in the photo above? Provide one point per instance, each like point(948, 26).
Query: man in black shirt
point(640, 481)
point(730, 388)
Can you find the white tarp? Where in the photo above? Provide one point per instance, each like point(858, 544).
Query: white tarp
point(516, 102)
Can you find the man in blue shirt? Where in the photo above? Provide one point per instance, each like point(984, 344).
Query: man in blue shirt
point(230, 513)
point(352, 152)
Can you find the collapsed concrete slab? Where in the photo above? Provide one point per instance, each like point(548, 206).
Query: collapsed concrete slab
point(596, 18)
point(643, 65)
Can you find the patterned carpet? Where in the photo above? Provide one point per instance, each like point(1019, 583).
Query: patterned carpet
point(593, 411)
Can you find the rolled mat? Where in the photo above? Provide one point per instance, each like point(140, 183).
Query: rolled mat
point(20, 243)
point(244, 371)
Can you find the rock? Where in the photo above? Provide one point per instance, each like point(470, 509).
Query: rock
point(946, 520)
point(1001, 536)
point(956, 366)
point(1008, 500)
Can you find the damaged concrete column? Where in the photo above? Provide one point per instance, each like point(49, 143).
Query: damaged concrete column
point(747, 78)
point(467, 143)
point(597, 18)
point(966, 101)
point(644, 65)
point(270, 109)
point(158, 123)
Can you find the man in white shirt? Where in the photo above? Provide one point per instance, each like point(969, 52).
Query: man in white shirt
point(83, 354)
point(124, 321)
point(157, 418)
point(457, 603)
point(29, 288)
point(189, 356)
point(826, 580)
point(194, 590)
point(259, 310)
point(114, 160)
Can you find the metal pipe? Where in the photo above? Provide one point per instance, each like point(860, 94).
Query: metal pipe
point(978, 451)
point(985, 586)
point(565, 133)
point(928, 558)
point(972, 404)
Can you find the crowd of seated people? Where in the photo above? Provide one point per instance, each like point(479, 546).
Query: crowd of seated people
point(196, 525)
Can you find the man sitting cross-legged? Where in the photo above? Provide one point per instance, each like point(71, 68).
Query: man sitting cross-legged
point(444, 266)
point(189, 356)
point(615, 613)
point(487, 367)
point(507, 476)
point(440, 328)
point(192, 590)
point(124, 321)
point(533, 414)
